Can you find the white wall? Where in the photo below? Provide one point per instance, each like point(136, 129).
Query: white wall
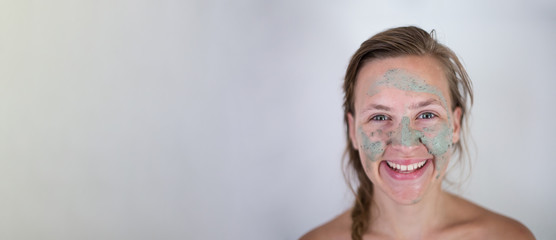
point(222, 119)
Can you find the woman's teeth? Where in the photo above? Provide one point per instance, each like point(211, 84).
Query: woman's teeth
point(410, 167)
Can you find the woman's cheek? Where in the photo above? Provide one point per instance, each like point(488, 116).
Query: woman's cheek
point(438, 141)
point(371, 144)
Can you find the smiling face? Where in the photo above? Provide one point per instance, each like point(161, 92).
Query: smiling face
point(403, 125)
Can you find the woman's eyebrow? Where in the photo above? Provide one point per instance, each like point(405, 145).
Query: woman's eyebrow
point(425, 103)
point(377, 107)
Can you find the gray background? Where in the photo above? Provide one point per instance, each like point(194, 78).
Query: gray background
point(222, 119)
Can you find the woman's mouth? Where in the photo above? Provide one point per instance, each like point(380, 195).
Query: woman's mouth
point(406, 168)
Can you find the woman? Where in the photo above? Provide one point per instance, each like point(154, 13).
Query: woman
point(405, 108)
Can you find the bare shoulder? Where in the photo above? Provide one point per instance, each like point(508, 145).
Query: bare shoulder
point(336, 229)
point(502, 227)
point(477, 222)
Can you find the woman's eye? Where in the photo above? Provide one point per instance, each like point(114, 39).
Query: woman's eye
point(379, 118)
point(427, 115)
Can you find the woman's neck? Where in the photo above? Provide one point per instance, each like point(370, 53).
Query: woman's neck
point(405, 221)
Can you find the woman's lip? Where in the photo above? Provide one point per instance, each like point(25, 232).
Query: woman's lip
point(405, 175)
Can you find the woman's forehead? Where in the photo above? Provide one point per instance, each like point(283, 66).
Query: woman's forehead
point(410, 73)
point(405, 81)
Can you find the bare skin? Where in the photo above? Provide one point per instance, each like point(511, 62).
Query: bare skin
point(461, 220)
point(404, 115)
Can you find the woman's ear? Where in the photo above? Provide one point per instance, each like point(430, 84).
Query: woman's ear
point(456, 124)
point(351, 130)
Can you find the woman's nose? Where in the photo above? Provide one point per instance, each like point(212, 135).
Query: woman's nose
point(405, 136)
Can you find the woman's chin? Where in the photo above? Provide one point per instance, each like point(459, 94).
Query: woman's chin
point(406, 186)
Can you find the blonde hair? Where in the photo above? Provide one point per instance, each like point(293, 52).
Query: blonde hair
point(395, 42)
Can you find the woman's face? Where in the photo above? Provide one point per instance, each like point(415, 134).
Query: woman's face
point(403, 125)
